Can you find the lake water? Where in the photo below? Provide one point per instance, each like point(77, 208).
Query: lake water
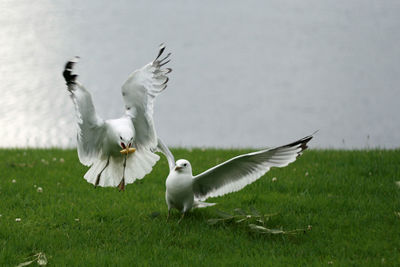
point(245, 74)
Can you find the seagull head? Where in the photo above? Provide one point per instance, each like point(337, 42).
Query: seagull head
point(124, 136)
point(125, 142)
point(183, 166)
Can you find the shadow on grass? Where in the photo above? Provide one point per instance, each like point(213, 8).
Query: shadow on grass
point(246, 224)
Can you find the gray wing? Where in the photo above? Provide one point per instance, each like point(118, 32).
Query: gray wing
point(91, 128)
point(236, 173)
point(139, 93)
point(162, 147)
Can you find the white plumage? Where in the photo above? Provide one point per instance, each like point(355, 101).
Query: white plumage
point(185, 191)
point(100, 141)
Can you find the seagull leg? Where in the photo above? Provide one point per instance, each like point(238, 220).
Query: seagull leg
point(98, 176)
point(169, 213)
point(183, 215)
point(121, 185)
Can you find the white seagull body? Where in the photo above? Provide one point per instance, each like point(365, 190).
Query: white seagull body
point(185, 191)
point(100, 141)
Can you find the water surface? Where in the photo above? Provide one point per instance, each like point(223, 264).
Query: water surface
point(246, 74)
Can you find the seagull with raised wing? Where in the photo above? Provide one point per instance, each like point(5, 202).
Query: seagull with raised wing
point(119, 151)
point(185, 191)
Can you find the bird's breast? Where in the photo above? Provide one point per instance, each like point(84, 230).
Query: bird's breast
point(179, 184)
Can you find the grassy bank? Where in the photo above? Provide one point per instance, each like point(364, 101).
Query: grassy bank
point(348, 199)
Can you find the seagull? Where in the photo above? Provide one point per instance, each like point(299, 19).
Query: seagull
point(119, 151)
point(185, 191)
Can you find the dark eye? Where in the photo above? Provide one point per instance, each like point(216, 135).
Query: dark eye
point(120, 137)
point(185, 164)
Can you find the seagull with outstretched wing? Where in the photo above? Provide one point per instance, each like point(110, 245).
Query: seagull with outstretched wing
point(185, 191)
point(119, 151)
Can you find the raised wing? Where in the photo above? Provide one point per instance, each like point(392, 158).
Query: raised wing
point(236, 173)
point(139, 92)
point(91, 128)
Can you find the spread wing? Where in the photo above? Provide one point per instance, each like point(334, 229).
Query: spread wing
point(236, 173)
point(139, 93)
point(91, 128)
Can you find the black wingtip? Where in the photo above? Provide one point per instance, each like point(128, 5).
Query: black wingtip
point(162, 48)
point(167, 56)
point(67, 73)
point(302, 142)
point(164, 63)
point(166, 80)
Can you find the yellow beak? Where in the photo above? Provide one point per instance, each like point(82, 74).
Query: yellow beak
point(128, 150)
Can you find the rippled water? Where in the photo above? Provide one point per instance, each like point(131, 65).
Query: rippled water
point(246, 74)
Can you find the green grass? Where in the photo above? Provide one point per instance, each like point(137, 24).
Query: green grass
point(348, 197)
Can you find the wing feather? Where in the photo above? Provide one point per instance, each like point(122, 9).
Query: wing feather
point(139, 93)
point(91, 128)
point(236, 173)
point(162, 147)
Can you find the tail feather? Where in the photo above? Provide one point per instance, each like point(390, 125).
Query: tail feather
point(201, 204)
point(111, 175)
point(138, 165)
point(95, 169)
